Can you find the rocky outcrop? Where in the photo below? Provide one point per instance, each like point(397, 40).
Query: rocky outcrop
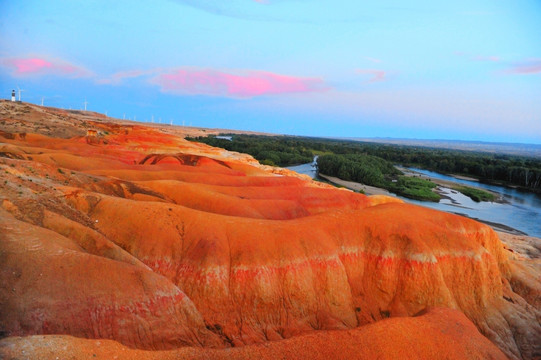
point(200, 247)
point(334, 270)
point(50, 285)
point(451, 336)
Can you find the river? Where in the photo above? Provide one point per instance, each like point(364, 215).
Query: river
point(309, 169)
point(519, 210)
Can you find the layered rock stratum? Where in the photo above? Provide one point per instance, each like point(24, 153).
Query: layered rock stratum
point(124, 239)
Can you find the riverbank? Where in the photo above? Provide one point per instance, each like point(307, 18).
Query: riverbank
point(355, 186)
point(450, 184)
point(443, 191)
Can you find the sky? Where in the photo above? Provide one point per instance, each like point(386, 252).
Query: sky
point(463, 70)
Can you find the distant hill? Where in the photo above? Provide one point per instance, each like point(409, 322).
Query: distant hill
point(533, 150)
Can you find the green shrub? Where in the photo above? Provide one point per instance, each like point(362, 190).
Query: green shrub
point(476, 195)
point(415, 188)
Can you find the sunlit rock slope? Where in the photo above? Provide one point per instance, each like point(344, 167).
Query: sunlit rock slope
point(438, 334)
point(123, 231)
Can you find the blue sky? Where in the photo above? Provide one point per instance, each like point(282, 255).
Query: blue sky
point(459, 70)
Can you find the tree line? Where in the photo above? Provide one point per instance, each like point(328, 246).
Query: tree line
point(268, 150)
point(513, 170)
point(375, 171)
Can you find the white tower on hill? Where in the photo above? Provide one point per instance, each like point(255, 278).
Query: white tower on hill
point(20, 91)
point(12, 95)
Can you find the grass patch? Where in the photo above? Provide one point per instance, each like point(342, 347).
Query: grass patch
point(414, 188)
point(476, 195)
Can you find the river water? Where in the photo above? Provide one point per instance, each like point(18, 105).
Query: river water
point(309, 169)
point(519, 210)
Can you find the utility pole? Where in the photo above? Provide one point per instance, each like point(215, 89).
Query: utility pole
point(86, 102)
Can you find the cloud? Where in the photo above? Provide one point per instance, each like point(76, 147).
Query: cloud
point(118, 77)
point(526, 67)
point(234, 84)
point(532, 66)
point(40, 66)
point(377, 75)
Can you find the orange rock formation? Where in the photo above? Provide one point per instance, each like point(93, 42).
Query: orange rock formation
point(439, 334)
point(158, 243)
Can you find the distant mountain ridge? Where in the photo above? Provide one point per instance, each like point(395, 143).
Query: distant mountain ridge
point(533, 150)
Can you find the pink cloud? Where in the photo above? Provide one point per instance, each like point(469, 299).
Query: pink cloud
point(118, 77)
point(377, 75)
point(37, 66)
point(240, 84)
point(532, 66)
point(32, 65)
